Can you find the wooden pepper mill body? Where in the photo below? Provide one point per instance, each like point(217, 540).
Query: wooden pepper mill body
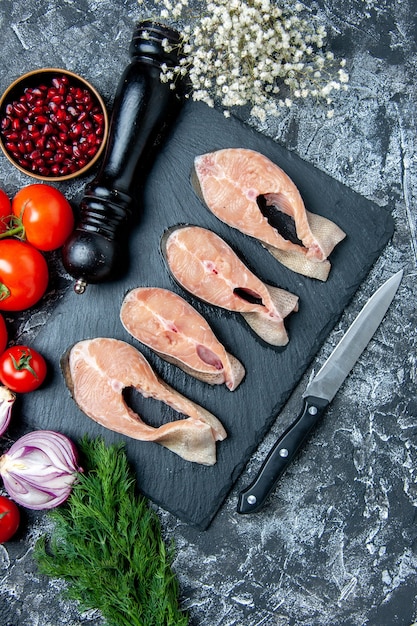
point(144, 109)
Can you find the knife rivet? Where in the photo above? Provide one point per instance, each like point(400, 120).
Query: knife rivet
point(283, 452)
point(312, 410)
point(251, 499)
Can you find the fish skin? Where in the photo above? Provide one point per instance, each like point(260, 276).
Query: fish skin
point(166, 323)
point(214, 275)
point(229, 181)
point(98, 370)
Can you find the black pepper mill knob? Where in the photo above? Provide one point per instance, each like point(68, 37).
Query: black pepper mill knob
point(144, 108)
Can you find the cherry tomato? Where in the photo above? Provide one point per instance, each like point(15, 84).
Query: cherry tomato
point(3, 334)
point(5, 211)
point(22, 369)
point(46, 216)
point(24, 275)
point(9, 518)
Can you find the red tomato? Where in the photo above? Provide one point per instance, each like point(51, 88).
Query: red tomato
point(3, 334)
point(46, 216)
point(23, 275)
point(9, 519)
point(22, 369)
point(5, 211)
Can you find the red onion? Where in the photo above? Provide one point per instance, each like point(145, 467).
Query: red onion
point(39, 469)
point(7, 399)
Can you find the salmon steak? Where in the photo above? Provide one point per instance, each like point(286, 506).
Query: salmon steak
point(169, 325)
point(247, 191)
point(97, 371)
point(207, 267)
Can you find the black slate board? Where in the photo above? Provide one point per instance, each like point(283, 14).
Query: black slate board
point(190, 491)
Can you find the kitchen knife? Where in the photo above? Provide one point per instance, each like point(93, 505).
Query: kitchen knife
point(319, 392)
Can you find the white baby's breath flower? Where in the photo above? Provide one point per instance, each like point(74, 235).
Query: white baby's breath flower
point(343, 76)
point(239, 52)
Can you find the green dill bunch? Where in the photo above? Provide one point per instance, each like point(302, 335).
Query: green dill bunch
point(255, 52)
point(107, 545)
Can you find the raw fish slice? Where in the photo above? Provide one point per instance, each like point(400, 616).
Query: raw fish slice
point(165, 322)
point(249, 192)
point(206, 266)
point(98, 370)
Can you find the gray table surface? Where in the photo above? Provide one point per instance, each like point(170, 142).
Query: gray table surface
point(336, 542)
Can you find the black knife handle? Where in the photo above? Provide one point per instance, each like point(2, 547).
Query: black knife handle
point(281, 454)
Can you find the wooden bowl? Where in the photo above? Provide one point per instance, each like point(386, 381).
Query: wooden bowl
point(53, 124)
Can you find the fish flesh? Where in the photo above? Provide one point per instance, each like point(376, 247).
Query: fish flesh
point(169, 325)
point(206, 266)
point(97, 371)
point(247, 191)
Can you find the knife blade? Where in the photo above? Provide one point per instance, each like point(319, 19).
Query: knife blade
point(318, 394)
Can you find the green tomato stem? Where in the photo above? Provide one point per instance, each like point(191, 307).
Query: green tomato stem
point(11, 232)
point(15, 227)
point(4, 292)
point(24, 363)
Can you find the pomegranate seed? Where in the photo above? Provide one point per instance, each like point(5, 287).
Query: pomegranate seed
point(29, 147)
point(55, 170)
point(34, 155)
point(48, 129)
point(6, 122)
point(76, 130)
point(40, 142)
point(98, 118)
point(20, 109)
point(11, 147)
point(30, 97)
point(59, 157)
point(84, 147)
point(61, 115)
point(76, 151)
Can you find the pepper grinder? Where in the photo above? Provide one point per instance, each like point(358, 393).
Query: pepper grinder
point(144, 110)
